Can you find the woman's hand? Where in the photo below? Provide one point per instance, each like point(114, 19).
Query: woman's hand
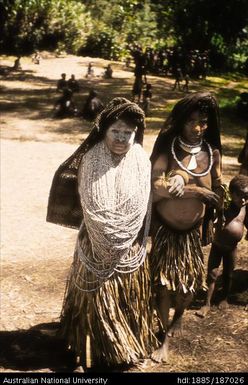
point(176, 186)
point(208, 196)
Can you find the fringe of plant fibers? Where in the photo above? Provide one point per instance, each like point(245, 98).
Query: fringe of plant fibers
point(117, 317)
point(176, 260)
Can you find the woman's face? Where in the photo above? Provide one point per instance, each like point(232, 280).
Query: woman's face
point(120, 136)
point(195, 127)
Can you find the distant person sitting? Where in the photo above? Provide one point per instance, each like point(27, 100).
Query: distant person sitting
point(108, 73)
point(64, 106)
point(73, 84)
point(62, 83)
point(147, 95)
point(17, 64)
point(36, 58)
point(92, 106)
point(90, 71)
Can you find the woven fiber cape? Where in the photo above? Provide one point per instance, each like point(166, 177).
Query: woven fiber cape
point(64, 206)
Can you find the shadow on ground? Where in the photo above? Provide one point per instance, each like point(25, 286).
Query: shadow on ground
point(238, 295)
point(39, 349)
point(34, 349)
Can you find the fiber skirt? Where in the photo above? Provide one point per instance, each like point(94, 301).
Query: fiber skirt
point(176, 259)
point(117, 317)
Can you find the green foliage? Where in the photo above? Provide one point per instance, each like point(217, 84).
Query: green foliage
point(118, 23)
point(107, 28)
point(70, 22)
point(35, 23)
point(221, 27)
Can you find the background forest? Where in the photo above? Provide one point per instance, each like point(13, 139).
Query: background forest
point(109, 28)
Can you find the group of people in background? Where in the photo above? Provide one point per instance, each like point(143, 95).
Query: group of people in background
point(182, 66)
point(107, 74)
point(166, 61)
point(110, 190)
point(65, 105)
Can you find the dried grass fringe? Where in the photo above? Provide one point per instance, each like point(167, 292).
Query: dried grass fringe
point(176, 260)
point(117, 317)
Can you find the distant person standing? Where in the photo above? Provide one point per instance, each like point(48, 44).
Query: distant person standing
point(62, 83)
point(137, 89)
point(147, 95)
point(243, 158)
point(186, 83)
point(178, 79)
point(17, 64)
point(90, 71)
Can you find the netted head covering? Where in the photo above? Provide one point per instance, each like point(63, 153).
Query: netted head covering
point(204, 102)
point(64, 206)
point(117, 108)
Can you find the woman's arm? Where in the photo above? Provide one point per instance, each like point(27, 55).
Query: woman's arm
point(167, 184)
point(174, 184)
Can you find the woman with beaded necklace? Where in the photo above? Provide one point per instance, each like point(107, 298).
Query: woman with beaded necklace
point(188, 150)
point(104, 188)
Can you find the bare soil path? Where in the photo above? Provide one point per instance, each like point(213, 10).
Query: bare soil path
point(36, 256)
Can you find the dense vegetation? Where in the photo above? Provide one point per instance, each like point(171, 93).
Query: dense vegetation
point(107, 28)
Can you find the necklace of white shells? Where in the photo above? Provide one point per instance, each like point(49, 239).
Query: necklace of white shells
point(193, 150)
point(115, 198)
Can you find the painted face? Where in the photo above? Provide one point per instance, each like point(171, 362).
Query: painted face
point(195, 127)
point(120, 137)
point(240, 198)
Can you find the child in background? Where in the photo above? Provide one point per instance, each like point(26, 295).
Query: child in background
point(147, 95)
point(224, 246)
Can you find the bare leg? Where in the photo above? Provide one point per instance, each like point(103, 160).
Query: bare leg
point(206, 308)
point(79, 367)
point(81, 360)
point(228, 267)
point(182, 302)
point(163, 305)
point(214, 261)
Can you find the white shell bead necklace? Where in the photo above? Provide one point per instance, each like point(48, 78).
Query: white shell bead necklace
point(181, 165)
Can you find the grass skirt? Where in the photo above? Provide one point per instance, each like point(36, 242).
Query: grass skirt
point(117, 317)
point(176, 259)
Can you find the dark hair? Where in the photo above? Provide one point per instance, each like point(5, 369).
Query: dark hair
point(173, 126)
point(238, 183)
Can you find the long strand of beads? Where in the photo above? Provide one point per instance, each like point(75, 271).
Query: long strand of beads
point(114, 211)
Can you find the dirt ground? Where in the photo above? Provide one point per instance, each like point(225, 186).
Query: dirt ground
point(36, 256)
